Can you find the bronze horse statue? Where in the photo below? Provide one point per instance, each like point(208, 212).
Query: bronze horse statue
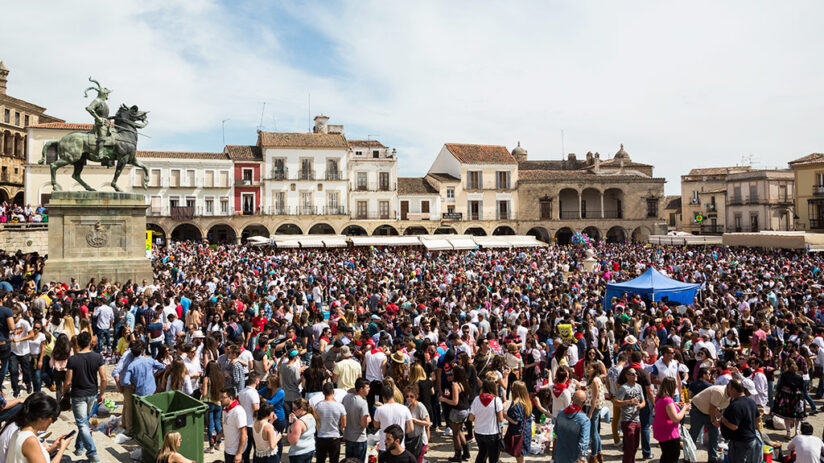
point(120, 147)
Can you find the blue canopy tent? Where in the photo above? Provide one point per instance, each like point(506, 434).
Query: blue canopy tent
point(654, 285)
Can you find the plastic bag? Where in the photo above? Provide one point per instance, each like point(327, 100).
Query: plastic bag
point(121, 438)
point(136, 454)
point(688, 446)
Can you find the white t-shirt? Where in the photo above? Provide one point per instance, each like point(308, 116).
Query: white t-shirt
point(35, 344)
point(245, 357)
point(21, 329)
point(5, 438)
point(105, 316)
point(807, 448)
point(486, 416)
point(373, 366)
point(232, 424)
point(248, 398)
point(389, 414)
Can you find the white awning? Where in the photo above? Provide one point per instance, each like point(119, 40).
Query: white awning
point(385, 241)
point(493, 241)
point(525, 241)
point(335, 242)
point(463, 243)
point(310, 243)
point(258, 240)
point(286, 244)
point(436, 245)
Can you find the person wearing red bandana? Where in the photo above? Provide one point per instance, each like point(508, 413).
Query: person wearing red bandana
point(572, 428)
point(486, 412)
point(234, 426)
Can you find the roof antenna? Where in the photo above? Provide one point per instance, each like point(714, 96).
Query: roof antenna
point(563, 149)
point(223, 127)
point(260, 125)
point(309, 110)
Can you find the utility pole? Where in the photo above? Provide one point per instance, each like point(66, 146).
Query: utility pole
point(223, 128)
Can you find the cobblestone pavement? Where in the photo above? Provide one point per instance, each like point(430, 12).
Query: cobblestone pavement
point(440, 449)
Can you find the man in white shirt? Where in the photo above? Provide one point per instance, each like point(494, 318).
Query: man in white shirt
point(374, 369)
point(105, 318)
point(391, 413)
point(234, 427)
point(808, 448)
point(20, 352)
point(249, 399)
point(666, 367)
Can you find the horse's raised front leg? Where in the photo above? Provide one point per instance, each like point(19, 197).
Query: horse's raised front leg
point(78, 168)
point(117, 171)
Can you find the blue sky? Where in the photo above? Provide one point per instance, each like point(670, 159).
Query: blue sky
point(687, 85)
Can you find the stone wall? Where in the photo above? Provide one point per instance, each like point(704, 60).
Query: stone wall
point(24, 238)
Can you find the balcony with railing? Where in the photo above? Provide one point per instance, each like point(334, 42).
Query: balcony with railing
point(818, 190)
point(742, 229)
point(816, 224)
point(305, 174)
point(333, 175)
point(281, 173)
point(735, 200)
point(305, 210)
point(376, 186)
point(374, 215)
point(246, 182)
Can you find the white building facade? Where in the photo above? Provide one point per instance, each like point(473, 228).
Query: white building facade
point(373, 181)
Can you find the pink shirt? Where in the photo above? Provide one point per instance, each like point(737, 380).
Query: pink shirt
point(664, 429)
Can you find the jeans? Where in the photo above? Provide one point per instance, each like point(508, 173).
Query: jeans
point(153, 347)
point(632, 437)
point(745, 452)
point(81, 409)
point(250, 445)
point(302, 458)
point(595, 432)
point(670, 450)
point(213, 416)
point(59, 378)
point(5, 357)
point(47, 372)
point(646, 422)
point(104, 339)
point(37, 373)
point(699, 421)
point(327, 447)
point(280, 426)
point(9, 413)
point(355, 450)
point(17, 363)
point(770, 392)
point(487, 448)
point(807, 395)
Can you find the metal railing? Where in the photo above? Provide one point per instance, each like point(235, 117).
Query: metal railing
point(570, 215)
point(373, 215)
point(245, 182)
point(335, 175)
point(306, 175)
point(742, 229)
point(279, 174)
point(816, 224)
point(735, 200)
point(614, 214)
point(375, 186)
point(305, 210)
point(818, 190)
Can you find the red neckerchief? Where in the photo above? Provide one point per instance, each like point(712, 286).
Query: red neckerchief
point(572, 409)
point(231, 406)
point(637, 366)
point(759, 370)
point(486, 398)
point(374, 351)
point(559, 388)
point(725, 372)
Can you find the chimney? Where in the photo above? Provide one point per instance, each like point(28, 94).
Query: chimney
point(571, 157)
point(589, 157)
point(320, 124)
point(596, 163)
point(4, 76)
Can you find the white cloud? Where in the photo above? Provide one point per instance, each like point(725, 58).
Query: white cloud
point(681, 85)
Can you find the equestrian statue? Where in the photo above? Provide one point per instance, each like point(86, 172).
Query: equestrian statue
point(107, 143)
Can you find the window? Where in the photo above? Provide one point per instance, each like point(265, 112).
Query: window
point(190, 178)
point(753, 194)
point(358, 153)
point(332, 172)
point(223, 180)
point(157, 205)
point(26, 120)
point(280, 202)
point(361, 181)
point(782, 193)
point(474, 208)
point(174, 179)
point(174, 201)
point(450, 209)
point(16, 118)
point(450, 193)
point(7, 116)
point(191, 201)
point(209, 205)
point(425, 207)
point(154, 178)
point(375, 154)
point(502, 180)
point(306, 203)
point(209, 179)
point(362, 209)
point(736, 195)
point(247, 175)
point(224, 205)
point(332, 202)
point(384, 181)
point(546, 209)
point(503, 210)
point(139, 175)
point(474, 180)
point(247, 202)
point(754, 222)
point(652, 207)
point(306, 172)
point(279, 169)
point(383, 208)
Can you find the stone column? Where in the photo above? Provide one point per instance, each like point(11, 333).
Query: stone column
point(602, 205)
point(580, 208)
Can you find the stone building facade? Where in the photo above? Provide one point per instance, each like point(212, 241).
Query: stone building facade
point(703, 192)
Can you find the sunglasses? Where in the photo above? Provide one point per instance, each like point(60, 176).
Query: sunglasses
point(630, 374)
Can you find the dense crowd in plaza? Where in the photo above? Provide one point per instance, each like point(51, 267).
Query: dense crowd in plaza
point(495, 350)
point(15, 213)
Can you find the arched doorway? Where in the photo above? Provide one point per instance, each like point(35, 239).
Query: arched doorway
point(540, 233)
point(568, 203)
point(4, 195)
point(613, 204)
point(221, 233)
point(157, 233)
point(503, 230)
point(593, 233)
point(415, 231)
point(591, 204)
point(321, 229)
point(254, 230)
point(385, 230)
point(445, 231)
point(354, 230)
point(616, 234)
point(18, 198)
point(186, 232)
point(564, 235)
point(640, 234)
point(475, 231)
point(288, 229)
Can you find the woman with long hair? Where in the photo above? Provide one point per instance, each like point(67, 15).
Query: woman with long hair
point(168, 452)
point(210, 393)
point(519, 416)
point(39, 411)
point(302, 432)
point(667, 417)
point(265, 436)
point(177, 378)
point(420, 419)
point(594, 404)
point(486, 413)
point(399, 370)
point(313, 378)
point(60, 356)
point(274, 394)
point(68, 326)
point(789, 397)
point(426, 389)
point(457, 396)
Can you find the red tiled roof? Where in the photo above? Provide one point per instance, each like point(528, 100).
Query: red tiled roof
point(63, 126)
point(243, 152)
point(367, 143)
point(180, 155)
point(719, 170)
point(809, 159)
point(441, 177)
point(415, 186)
point(481, 154)
point(301, 140)
point(538, 175)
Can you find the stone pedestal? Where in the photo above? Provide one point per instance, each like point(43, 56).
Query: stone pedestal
point(589, 261)
point(95, 234)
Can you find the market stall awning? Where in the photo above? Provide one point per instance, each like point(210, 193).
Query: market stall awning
point(462, 242)
point(524, 241)
point(656, 286)
point(493, 241)
point(310, 243)
point(287, 244)
point(385, 241)
point(437, 245)
point(335, 242)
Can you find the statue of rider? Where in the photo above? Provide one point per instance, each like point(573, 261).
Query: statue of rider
point(100, 112)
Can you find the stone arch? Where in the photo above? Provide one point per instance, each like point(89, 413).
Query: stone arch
point(475, 231)
point(187, 232)
point(591, 203)
point(415, 231)
point(616, 234)
point(640, 234)
point(445, 231)
point(564, 235)
point(568, 205)
point(385, 230)
point(503, 230)
point(592, 232)
point(288, 229)
point(321, 229)
point(157, 232)
point(614, 203)
point(44, 193)
point(8, 142)
point(221, 233)
point(354, 230)
point(540, 233)
point(4, 195)
point(254, 229)
point(18, 198)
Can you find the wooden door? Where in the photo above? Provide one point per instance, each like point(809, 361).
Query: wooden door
point(404, 209)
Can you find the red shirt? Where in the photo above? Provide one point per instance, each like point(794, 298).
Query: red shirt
point(257, 324)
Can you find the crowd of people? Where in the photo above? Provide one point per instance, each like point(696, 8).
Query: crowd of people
point(322, 350)
point(15, 213)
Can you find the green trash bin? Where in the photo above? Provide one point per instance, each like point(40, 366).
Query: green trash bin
point(155, 415)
